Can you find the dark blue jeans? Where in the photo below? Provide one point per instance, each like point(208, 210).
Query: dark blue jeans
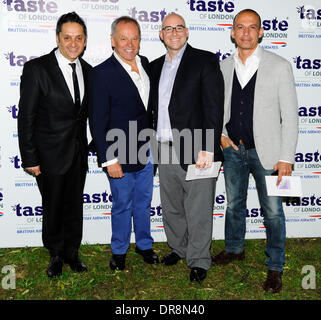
point(237, 167)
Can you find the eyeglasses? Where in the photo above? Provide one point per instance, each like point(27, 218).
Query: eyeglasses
point(170, 29)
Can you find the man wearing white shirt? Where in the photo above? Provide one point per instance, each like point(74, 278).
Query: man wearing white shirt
point(53, 139)
point(259, 137)
point(118, 99)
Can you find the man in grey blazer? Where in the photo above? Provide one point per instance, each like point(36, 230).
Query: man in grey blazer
point(259, 136)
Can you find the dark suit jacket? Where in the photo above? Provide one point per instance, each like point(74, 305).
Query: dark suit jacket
point(51, 129)
point(114, 102)
point(197, 100)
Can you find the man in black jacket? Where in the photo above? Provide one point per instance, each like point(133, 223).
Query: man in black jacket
point(53, 140)
point(187, 92)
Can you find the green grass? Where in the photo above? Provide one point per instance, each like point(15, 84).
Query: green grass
point(240, 280)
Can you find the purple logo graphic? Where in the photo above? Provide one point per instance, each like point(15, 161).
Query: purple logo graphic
point(145, 16)
point(308, 157)
point(310, 111)
point(304, 201)
point(14, 111)
point(15, 60)
point(103, 197)
point(307, 64)
point(284, 184)
point(31, 6)
point(275, 25)
point(211, 6)
point(156, 211)
point(27, 211)
point(15, 160)
point(221, 56)
point(309, 13)
point(254, 212)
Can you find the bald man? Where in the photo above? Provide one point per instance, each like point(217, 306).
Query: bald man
point(187, 92)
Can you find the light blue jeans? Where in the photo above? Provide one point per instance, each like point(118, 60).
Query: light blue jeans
point(237, 167)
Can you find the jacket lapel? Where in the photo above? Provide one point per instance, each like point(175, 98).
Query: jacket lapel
point(124, 75)
point(179, 78)
point(58, 77)
point(156, 77)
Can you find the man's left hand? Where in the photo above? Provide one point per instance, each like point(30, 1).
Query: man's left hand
point(284, 169)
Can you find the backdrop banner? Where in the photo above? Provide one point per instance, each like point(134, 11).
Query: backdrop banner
point(292, 29)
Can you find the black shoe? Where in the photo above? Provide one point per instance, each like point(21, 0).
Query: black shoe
point(149, 255)
point(117, 262)
point(225, 257)
point(197, 275)
point(273, 282)
point(170, 259)
point(77, 265)
point(55, 267)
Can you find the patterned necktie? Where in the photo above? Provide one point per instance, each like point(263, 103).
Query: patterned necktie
point(76, 86)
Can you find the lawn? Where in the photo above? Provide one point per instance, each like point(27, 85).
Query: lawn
point(240, 280)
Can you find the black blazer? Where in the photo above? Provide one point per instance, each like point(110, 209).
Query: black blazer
point(197, 100)
point(114, 102)
point(51, 129)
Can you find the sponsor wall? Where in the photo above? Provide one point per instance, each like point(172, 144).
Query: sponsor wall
point(292, 29)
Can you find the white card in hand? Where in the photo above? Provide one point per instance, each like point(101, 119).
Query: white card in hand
point(194, 173)
point(289, 186)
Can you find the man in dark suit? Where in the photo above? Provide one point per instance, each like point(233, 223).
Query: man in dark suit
point(53, 140)
point(187, 92)
point(119, 91)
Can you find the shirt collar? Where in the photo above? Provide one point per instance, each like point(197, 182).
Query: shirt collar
point(255, 56)
point(178, 56)
point(63, 61)
point(124, 64)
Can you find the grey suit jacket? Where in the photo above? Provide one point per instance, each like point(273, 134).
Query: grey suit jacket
point(275, 111)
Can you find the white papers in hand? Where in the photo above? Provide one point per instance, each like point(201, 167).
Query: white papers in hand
point(194, 173)
point(289, 186)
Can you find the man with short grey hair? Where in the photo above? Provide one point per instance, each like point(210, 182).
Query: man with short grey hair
point(119, 92)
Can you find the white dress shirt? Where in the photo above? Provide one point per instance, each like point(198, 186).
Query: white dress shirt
point(66, 70)
point(246, 71)
point(141, 81)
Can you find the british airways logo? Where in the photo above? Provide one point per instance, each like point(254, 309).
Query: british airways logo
point(275, 31)
point(32, 6)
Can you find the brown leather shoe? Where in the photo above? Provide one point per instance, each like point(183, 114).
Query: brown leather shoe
point(225, 257)
point(273, 282)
